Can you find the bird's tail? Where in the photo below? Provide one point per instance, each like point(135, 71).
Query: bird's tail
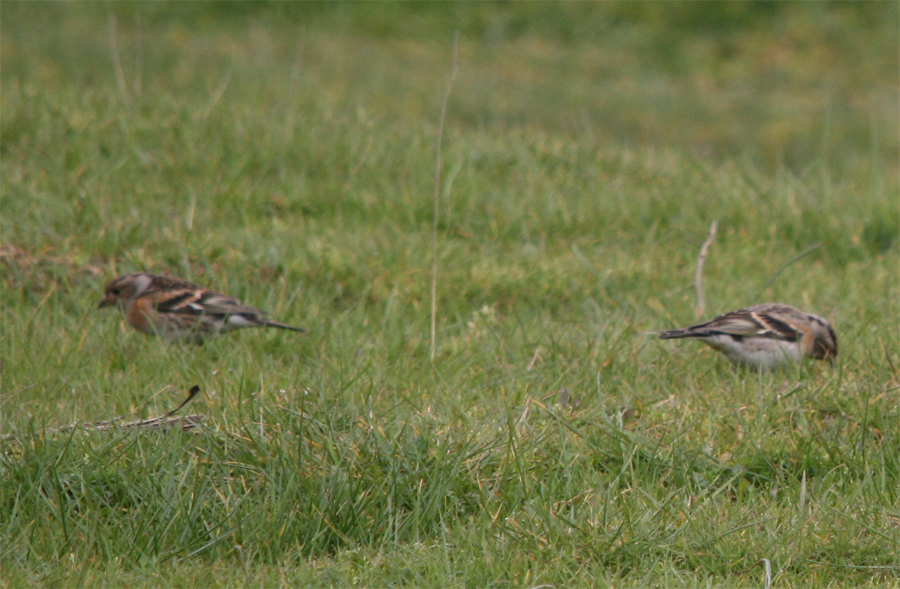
point(680, 333)
point(280, 325)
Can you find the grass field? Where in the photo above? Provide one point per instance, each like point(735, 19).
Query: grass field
point(285, 154)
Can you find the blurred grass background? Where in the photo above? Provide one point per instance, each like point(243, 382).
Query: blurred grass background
point(784, 82)
point(284, 153)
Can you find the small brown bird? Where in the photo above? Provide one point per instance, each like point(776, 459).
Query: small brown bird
point(765, 336)
point(179, 310)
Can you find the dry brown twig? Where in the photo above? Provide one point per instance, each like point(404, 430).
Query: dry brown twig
point(701, 259)
point(168, 420)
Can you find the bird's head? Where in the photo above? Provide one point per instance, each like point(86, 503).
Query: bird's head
point(124, 288)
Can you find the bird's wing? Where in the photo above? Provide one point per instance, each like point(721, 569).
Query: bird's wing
point(754, 322)
point(762, 321)
point(215, 303)
point(199, 301)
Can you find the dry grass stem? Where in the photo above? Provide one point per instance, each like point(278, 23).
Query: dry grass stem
point(701, 259)
point(438, 165)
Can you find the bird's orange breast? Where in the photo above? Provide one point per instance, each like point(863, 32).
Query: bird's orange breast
point(141, 315)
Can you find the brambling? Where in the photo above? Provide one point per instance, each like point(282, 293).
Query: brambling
point(179, 310)
point(765, 336)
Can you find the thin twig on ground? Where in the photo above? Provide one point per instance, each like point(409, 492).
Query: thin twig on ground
point(186, 422)
point(437, 196)
point(701, 259)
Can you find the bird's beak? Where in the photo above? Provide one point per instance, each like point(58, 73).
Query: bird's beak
point(106, 302)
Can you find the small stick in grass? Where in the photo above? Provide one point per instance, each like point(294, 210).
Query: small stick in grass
point(167, 420)
point(191, 394)
point(698, 278)
point(437, 196)
point(768, 568)
point(164, 421)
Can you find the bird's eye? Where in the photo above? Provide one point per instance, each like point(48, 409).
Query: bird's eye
point(114, 292)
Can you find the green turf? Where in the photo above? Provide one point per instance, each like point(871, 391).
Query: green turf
point(285, 154)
